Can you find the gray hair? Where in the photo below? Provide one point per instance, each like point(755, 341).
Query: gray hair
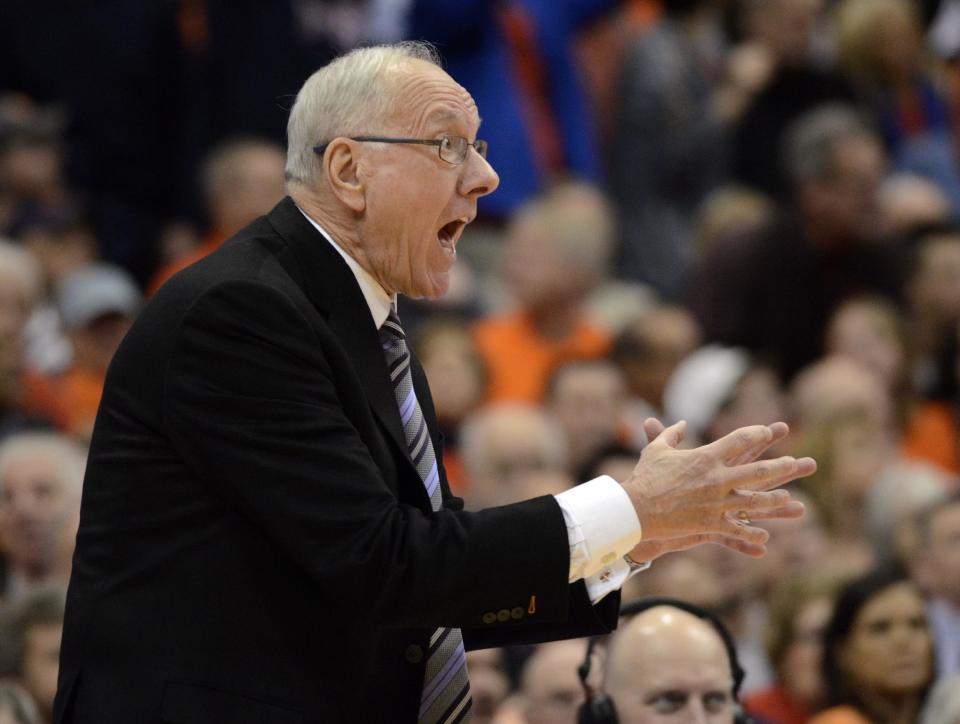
point(348, 96)
point(69, 456)
point(810, 141)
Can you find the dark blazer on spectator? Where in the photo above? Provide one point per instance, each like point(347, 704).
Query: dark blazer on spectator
point(255, 544)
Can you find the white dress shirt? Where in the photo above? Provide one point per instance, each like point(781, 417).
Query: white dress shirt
point(602, 525)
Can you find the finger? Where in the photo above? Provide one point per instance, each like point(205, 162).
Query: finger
point(744, 440)
point(734, 527)
point(768, 474)
point(778, 430)
point(652, 427)
point(792, 509)
point(750, 502)
point(741, 546)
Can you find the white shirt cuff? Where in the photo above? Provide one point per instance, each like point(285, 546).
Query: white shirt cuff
point(601, 526)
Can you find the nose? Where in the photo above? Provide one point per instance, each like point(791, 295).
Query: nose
point(698, 712)
point(478, 177)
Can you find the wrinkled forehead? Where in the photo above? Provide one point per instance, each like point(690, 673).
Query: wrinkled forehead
point(427, 99)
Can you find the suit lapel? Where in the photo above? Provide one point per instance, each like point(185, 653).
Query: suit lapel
point(333, 289)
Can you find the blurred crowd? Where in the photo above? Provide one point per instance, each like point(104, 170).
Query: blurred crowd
point(723, 211)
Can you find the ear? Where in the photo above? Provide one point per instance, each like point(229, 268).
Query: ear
point(343, 173)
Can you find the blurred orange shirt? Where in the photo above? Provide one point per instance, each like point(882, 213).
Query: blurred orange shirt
point(69, 400)
point(211, 242)
point(932, 435)
point(519, 361)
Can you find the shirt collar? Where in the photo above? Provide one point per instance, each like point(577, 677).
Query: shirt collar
point(377, 298)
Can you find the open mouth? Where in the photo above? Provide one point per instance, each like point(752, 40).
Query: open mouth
point(449, 233)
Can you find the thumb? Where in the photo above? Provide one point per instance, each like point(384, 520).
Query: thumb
point(673, 435)
point(652, 427)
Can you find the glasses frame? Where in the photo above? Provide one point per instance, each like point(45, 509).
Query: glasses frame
point(479, 145)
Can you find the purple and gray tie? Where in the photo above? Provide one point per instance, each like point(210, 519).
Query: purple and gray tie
point(446, 690)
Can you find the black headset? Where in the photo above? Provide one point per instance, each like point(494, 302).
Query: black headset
point(598, 708)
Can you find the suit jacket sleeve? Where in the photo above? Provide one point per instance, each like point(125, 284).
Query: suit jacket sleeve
point(252, 403)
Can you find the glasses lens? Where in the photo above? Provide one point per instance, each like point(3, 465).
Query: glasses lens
point(453, 149)
point(481, 147)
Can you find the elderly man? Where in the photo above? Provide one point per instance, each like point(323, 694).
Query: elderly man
point(267, 533)
point(669, 665)
point(40, 478)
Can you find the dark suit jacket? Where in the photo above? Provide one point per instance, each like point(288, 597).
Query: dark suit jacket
point(255, 544)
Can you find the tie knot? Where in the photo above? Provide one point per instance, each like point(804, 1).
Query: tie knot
point(391, 327)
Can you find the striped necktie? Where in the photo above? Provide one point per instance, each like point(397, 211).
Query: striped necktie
point(446, 690)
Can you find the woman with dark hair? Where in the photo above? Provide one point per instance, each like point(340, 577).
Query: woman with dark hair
point(877, 652)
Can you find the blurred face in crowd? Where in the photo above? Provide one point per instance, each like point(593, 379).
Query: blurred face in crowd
point(786, 28)
point(32, 168)
point(94, 344)
point(800, 668)
point(534, 269)
point(36, 503)
point(586, 400)
point(757, 400)
point(454, 371)
point(867, 333)
point(665, 336)
point(489, 685)
point(550, 687)
point(941, 556)
point(669, 666)
point(889, 651)
point(935, 285)
point(60, 251)
point(844, 204)
point(41, 663)
point(252, 184)
point(795, 545)
point(414, 204)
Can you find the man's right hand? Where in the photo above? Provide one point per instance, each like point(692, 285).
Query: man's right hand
point(713, 492)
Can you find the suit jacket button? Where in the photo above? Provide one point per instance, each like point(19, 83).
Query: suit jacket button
point(516, 613)
point(413, 654)
point(489, 617)
point(503, 615)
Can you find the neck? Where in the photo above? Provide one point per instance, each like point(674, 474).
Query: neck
point(893, 709)
point(326, 213)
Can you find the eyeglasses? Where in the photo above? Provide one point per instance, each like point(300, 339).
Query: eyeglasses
point(452, 149)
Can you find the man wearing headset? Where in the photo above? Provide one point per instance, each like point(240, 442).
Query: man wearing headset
point(672, 662)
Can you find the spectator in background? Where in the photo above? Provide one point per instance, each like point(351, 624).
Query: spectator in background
point(586, 399)
point(516, 59)
point(549, 689)
point(242, 179)
point(97, 304)
point(489, 684)
point(666, 664)
point(41, 475)
point(24, 401)
point(16, 706)
point(799, 610)
point(502, 445)
point(647, 352)
point(793, 79)
point(818, 251)
point(31, 646)
point(667, 149)
point(31, 156)
point(844, 413)
point(555, 254)
point(932, 291)
point(716, 388)
point(937, 570)
point(880, 45)
point(877, 652)
point(457, 380)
